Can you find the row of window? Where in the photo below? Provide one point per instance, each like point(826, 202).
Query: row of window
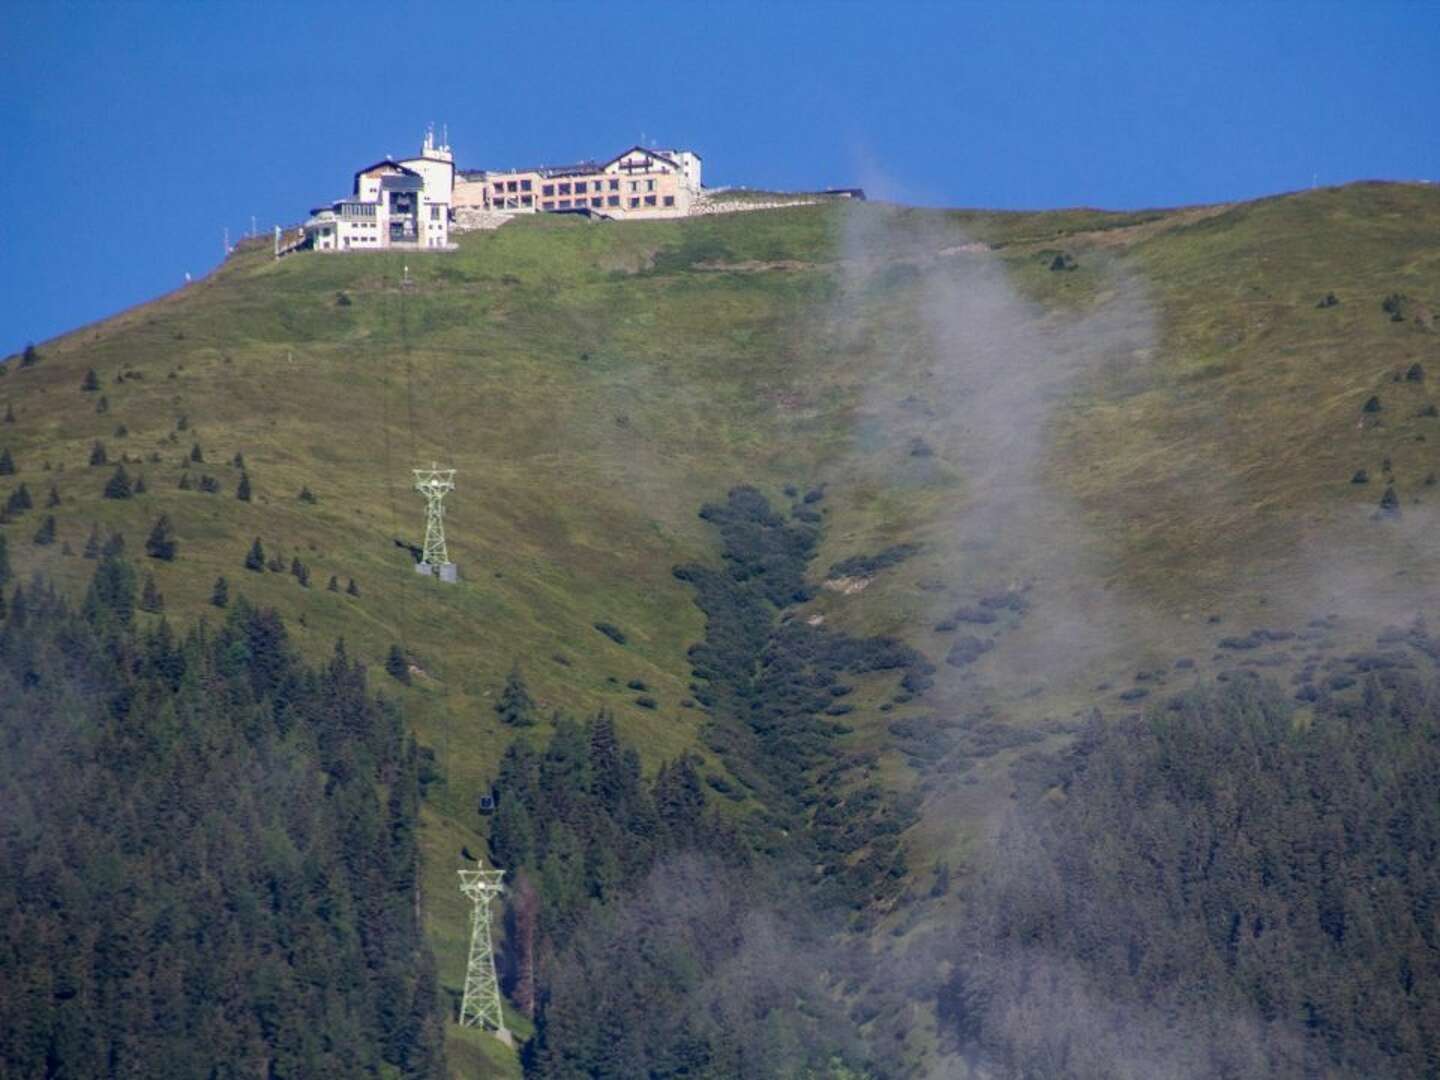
point(596, 202)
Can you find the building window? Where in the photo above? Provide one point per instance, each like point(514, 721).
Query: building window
point(649, 200)
point(434, 213)
point(547, 189)
point(597, 201)
point(634, 185)
point(634, 200)
point(649, 185)
point(564, 204)
point(548, 204)
point(669, 200)
point(524, 185)
point(613, 200)
point(526, 200)
point(564, 189)
point(614, 185)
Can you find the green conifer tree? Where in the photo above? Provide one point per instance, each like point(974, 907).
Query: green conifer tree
point(161, 543)
point(255, 560)
point(397, 666)
point(220, 594)
point(118, 486)
point(515, 706)
point(150, 598)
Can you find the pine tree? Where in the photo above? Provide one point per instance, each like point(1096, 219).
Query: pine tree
point(4, 562)
point(114, 546)
point(30, 357)
point(238, 461)
point(45, 535)
point(150, 598)
point(140, 484)
point(306, 495)
point(91, 381)
point(196, 454)
point(300, 572)
point(220, 594)
point(92, 544)
point(7, 463)
point(118, 486)
point(19, 500)
point(515, 706)
point(53, 499)
point(243, 491)
point(161, 543)
point(352, 589)
point(256, 559)
point(334, 585)
point(1389, 504)
point(98, 456)
point(397, 666)
point(102, 406)
point(185, 481)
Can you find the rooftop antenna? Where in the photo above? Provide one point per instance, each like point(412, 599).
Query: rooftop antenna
point(480, 1007)
point(435, 483)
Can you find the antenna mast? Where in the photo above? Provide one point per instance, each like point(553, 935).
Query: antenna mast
point(435, 483)
point(480, 1006)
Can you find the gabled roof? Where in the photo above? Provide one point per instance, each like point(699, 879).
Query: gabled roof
point(385, 162)
point(657, 155)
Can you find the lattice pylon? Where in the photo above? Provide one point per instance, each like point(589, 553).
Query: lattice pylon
point(434, 483)
point(480, 1006)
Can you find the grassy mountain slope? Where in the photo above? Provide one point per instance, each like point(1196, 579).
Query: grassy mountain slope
point(1140, 423)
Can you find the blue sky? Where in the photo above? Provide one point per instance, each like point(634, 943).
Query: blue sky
point(134, 133)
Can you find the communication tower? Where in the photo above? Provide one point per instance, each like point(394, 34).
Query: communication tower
point(435, 483)
point(480, 1006)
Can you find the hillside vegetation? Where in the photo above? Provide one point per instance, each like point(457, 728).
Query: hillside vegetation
point(1055, 461)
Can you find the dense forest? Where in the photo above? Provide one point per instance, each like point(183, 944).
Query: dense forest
point(650, 935)
point(1226, 888)
point(208, 851)
point(210, 864)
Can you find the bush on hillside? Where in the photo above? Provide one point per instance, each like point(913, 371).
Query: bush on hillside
point(161, 543)
point(613, 632)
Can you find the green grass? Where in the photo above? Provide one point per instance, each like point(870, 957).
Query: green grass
point(594, 383)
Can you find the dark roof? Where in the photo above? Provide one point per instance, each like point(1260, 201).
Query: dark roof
point(643, 150)
point(386, 161)
point(413, 182)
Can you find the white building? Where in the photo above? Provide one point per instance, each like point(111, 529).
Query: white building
point(404, 204)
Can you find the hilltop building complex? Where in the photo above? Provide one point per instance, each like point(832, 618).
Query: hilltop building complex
point(417, 202)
